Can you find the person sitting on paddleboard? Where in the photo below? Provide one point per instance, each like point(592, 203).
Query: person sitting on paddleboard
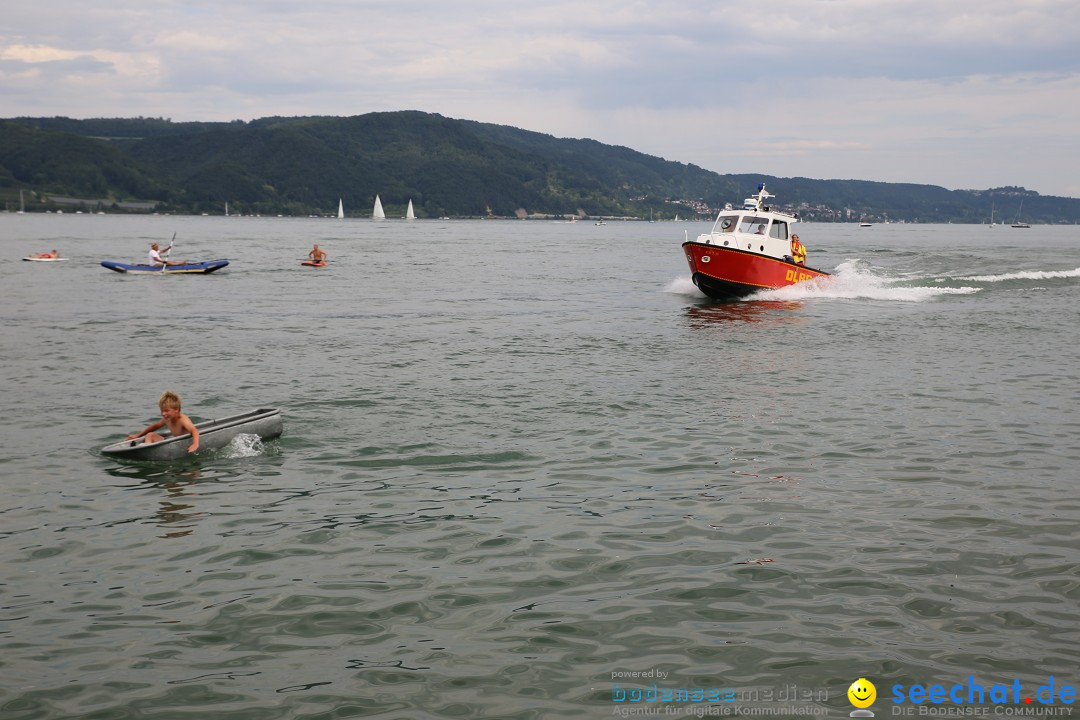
point(46, 256)
point(154, 259)
point(177, 422)
point(317, 256)
point(798, 251)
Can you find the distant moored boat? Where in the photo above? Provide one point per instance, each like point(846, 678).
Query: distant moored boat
point(1019, 224)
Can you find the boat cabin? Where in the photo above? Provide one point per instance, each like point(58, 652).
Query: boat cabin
point(756, 228)
point(752, 224)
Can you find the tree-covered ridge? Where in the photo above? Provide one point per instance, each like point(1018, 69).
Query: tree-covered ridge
point(302, 165)
point(30, 157)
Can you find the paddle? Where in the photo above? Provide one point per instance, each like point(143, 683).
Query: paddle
point(168, 252)
point(165, 260)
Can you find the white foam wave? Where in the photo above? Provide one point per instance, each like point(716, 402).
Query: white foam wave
point(242, 446)
point(1024, 275)
point(852, 279)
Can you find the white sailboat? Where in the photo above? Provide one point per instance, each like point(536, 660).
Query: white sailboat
point(340, 209)
point(409, 214)
point(22, 204)
point(991, 213)
point(1018, 223)
point(377, 213)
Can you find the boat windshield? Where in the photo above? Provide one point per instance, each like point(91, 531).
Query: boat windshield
point(779, 230)
point(754, 225)
point(727, 223)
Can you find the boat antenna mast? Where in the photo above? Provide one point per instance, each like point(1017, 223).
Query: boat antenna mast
point(757, 202)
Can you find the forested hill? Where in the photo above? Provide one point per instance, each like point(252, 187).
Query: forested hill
point(447, 167)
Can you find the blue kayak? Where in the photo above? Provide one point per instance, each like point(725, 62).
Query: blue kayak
point(202, 268)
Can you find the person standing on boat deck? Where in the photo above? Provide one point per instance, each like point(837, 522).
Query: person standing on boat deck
point(154, 259)
point(317, 256)
point(177, 422)
point(798, 251)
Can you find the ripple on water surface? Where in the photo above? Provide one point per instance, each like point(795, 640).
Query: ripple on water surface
point(510, 475)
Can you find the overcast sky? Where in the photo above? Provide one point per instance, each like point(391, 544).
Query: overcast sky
point(963, 93)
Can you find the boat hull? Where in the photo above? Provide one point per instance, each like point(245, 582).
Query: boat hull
point(201, 268)
point(213, 435)
point(724, 273)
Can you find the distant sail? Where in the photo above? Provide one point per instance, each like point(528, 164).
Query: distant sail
point(377, 213)
point(409, 214)
point(340, 209)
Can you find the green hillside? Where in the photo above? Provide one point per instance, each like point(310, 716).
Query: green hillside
point(460, 168)
point(66, 163)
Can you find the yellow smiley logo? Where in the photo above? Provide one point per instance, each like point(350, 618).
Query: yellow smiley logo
point(862, 693)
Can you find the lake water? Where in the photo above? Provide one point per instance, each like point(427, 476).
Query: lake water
point(523, 461)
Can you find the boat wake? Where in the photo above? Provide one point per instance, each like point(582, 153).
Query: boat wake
point(852, 279)
point(1021, 275)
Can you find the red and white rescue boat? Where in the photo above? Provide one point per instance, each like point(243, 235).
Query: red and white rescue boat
point(748, 250)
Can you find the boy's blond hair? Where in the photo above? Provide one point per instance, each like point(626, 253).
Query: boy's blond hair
point(169, 399)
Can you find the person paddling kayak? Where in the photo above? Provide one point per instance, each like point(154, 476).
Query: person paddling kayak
point(154, 258)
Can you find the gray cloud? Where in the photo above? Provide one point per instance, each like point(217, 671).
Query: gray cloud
point(962, 94)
